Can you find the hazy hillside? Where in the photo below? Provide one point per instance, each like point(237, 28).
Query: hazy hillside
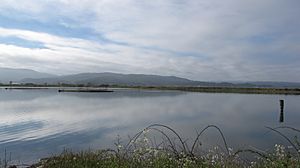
point(15, 75)
point(278, 84)
point(30, 76)
point(114, 78)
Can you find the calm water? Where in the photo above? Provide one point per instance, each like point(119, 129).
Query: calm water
point(40, 123)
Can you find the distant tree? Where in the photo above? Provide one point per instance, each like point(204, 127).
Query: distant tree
point(29, 84)
point(80, 85)
point(104, 85)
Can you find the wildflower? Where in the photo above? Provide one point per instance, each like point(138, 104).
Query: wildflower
point(146, 140)
point(230, 150)
point(145, 131)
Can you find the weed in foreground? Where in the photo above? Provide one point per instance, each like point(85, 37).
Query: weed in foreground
point(143, 150)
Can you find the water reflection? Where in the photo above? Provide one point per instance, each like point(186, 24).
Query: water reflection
point(39, 123)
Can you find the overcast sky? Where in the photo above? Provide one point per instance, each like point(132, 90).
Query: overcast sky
point(212, 40)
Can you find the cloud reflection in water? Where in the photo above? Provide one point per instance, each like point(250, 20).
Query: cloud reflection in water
point(38, 123)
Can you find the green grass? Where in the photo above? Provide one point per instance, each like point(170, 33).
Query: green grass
point(159, 159)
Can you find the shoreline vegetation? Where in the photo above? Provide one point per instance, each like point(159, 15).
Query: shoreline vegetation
point(286, 91)
point(144, 150)
point(85, 90)
point(202, 89)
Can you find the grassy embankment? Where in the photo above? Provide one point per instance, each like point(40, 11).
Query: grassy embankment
point(286, 91)
point(245, 90)
point(142, 151)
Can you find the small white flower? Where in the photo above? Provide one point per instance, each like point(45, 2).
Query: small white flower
point(145, 131)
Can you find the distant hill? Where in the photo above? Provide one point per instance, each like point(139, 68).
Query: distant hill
point(277, 84)
point(146, 80)
point(115, 79)
point(15, 75)
point(107, 78)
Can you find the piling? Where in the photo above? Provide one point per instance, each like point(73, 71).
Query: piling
point(281, 117)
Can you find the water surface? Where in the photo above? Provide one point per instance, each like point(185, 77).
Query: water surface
point(41, 123)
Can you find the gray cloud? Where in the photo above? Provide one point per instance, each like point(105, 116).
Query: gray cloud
point(205, 40)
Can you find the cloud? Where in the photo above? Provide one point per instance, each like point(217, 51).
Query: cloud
point(82, 55)
point(203, 40)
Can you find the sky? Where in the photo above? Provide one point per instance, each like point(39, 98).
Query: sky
point(207, 40)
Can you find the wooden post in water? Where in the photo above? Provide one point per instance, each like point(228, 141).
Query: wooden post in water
point(281, 118)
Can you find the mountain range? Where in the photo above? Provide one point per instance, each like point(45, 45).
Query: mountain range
point(31, 76)
point(112, 79)
point(15, 75)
